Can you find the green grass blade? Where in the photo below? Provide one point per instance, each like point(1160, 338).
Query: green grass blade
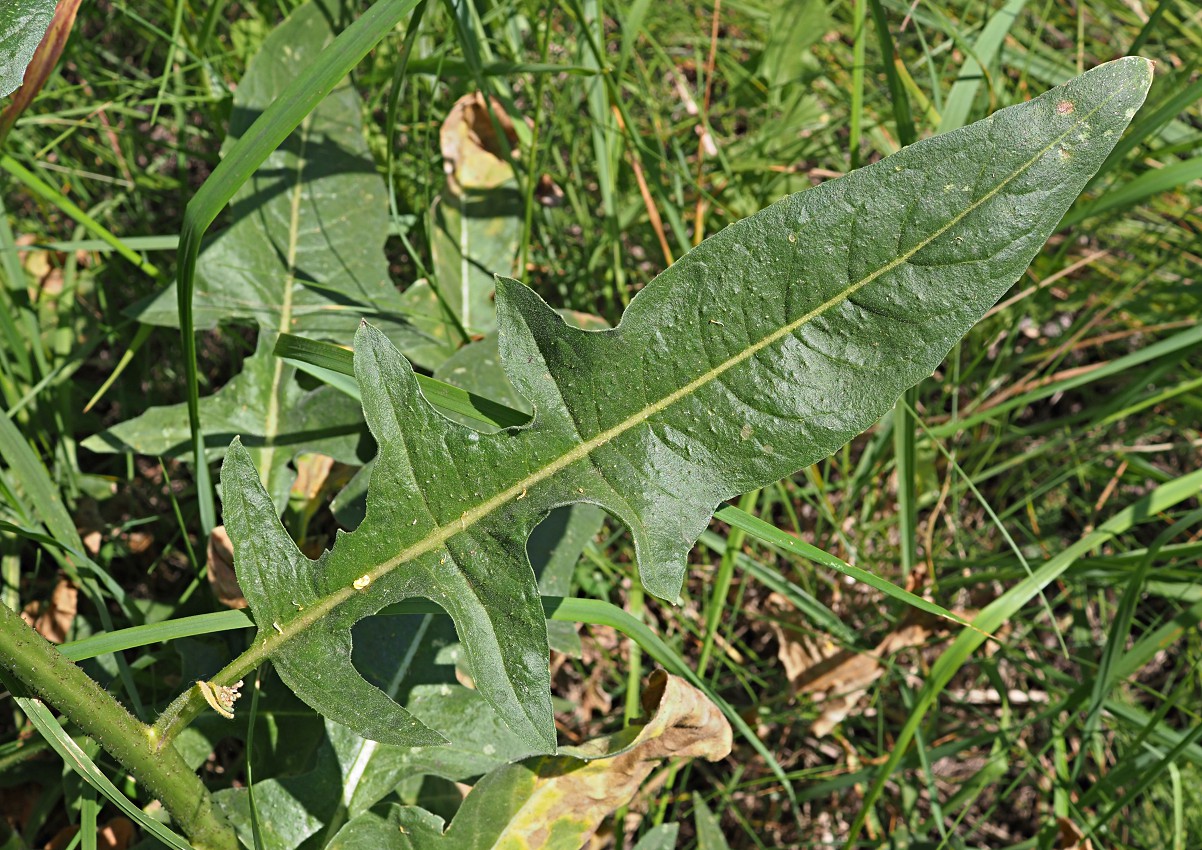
point(1185, 340)
point(768, 533)
point(903, 117)
point(1107, 675)
point(856, 127)
point(16, 346)
point(1132, 192)
point(1146, 127)
point(136, 636)
point(998, 612)
point(334, 364)
point(984, 50)
point(48, 193)
point(44, 497)
point(812, 609)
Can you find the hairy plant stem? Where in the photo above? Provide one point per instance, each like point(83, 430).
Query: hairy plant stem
point(62, 684)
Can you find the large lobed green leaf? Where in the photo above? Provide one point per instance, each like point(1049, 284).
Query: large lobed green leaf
point(761, 351)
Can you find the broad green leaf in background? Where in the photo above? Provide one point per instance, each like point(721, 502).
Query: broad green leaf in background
point(264, 404)
point(761, 351)
point(304, 255)
point(557, 802)
point(475, 237)
point(792, 28)
point(22, 25)
point(662, 837)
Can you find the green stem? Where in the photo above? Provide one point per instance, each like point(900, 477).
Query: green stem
point(41, 667)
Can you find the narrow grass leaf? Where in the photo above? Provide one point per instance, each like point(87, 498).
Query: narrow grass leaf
point(1147, 126)
point(1179, 342)
point(1127, 195)
point(332, 362)
point(1006, 606)
point(770, 534)
point(978, 59)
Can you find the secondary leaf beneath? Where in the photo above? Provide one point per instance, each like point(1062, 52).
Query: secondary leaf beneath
point(304, 253)
point(558, 802)
point(263, 404)
point(760, 352)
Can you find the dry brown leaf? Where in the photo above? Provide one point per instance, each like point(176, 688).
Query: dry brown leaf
point(92, 541)
point(53, 621)
point(474, 157)
point(312, 472)
point(139, 542)
point(90, 524)
point(839, 678)
point(1071, 836)
point(221, 570)
point(117, 834)
point(559, 801)
point(44, 266)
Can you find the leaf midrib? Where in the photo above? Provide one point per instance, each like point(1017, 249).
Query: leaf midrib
point(465, 288)
point(272, 423)
point(274, 638)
